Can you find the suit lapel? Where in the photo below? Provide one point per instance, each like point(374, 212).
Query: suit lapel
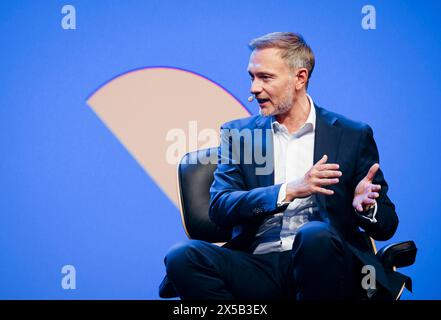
point(327, 141)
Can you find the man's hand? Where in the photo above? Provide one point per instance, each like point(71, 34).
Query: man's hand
point(321, 174)
point(366, 192)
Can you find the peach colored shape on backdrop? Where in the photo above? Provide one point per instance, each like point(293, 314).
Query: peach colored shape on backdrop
point(140, 107)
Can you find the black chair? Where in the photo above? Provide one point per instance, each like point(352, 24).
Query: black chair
point(195, 176)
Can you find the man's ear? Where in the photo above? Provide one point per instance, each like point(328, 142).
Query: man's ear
point(302, 78)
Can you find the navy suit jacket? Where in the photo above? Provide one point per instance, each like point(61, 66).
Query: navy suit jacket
point(241, 199)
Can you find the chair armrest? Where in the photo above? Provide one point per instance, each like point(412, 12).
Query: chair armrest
point(401, 254)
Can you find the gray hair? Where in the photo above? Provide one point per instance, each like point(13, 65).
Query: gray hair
point(294, 49)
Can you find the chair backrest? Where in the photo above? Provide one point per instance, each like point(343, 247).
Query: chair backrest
point(195, 176)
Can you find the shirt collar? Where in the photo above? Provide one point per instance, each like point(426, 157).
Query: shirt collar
point(309, 124)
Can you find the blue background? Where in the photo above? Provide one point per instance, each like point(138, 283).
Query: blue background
point(70, 193)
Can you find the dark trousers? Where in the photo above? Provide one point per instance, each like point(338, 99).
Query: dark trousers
point(319, 266)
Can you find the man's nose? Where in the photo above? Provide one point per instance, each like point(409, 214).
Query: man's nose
point(256, 87)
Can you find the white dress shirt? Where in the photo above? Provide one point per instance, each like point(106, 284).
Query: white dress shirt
point(293, 157)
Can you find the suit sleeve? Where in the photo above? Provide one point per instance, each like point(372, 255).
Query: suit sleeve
point(387, 219)
point(232, 202)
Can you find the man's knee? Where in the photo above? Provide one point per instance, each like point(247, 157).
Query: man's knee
point(317, 239)
point(182, 255)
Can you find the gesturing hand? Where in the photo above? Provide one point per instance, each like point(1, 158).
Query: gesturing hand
point(366, 192)
point(321, 174)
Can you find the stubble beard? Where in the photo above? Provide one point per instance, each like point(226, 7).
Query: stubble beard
point(283, 106)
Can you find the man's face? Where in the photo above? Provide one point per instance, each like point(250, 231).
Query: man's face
point(272, 82)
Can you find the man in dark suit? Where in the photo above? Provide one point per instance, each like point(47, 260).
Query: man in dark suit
point(295, 184)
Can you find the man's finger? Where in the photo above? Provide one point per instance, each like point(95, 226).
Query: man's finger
point(372, 171)
point(327, 182)
point(373, 195)
point(322, 160)
point(324, 191)
point(327, 166)
point(369, 201)
point(329, 174)
point(376, 187)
